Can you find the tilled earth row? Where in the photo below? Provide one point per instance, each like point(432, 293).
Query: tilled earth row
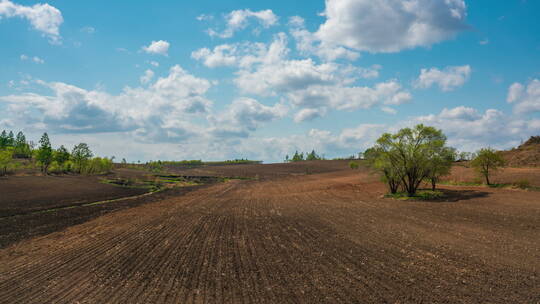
point(325, 238)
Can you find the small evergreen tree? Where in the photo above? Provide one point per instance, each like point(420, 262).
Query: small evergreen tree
point(10, 139)
point(22, 149)
point(296, 157)
point(440, 164)
point(3, 139)
point(312, 156)
point(45, 153)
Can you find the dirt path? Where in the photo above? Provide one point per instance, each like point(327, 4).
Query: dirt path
point(324, 238)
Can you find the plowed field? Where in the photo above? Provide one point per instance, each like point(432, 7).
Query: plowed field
point(319, 238)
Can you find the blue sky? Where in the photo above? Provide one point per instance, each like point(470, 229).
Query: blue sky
point(231, 79)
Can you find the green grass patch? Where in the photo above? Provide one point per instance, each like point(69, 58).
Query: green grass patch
point(520, 184)
point(473, 184)
point(458, 183)
point(230, 178)
point(422, 195)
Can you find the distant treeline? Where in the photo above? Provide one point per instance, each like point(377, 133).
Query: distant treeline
point(159, 165)
point(301, 156)
point(17, 153)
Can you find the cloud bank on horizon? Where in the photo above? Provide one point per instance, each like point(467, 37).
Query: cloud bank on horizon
point(260, 83)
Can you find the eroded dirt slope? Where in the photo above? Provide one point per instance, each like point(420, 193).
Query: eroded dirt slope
point(526, 155)
point(325, 238)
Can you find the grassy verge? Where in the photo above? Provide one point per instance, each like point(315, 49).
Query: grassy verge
point(524, 185)
point(152, 185)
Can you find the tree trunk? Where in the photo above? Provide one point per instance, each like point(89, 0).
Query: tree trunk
point(433, 183)
point(487, 179)
point(393, 187)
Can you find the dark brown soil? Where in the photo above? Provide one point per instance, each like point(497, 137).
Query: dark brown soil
point(16, 228)
point(26, 194)
point(265, 171)
point(319, 238)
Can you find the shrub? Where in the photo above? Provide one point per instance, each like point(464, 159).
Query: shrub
point(55, 168)
point(353, 165)
point(424, 195)
point(6, 161)
point(98, 165)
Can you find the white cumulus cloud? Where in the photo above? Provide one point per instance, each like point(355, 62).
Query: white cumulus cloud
point(307, 43)
point(221, 55)
point(309, 114)
point(526, 98)
point(469, 129)
point(160, 112)
point(312, 88)
point(239, 19)
point(160, 47)
point(244, 115)
point(391, 25)
point(43, 17)
point(447, 79)
point(146, 77)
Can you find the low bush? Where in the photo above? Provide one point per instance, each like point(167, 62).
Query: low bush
point(353, 165)
point(97, 165)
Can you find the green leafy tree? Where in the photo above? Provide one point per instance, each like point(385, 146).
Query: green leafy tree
point(287, 158)
point(405, 157)
point(486, 162)
point(80, 155)
point(6, 159)
point(44, 153)
point(440, 164)
point(379, 159)
point(61, 155)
